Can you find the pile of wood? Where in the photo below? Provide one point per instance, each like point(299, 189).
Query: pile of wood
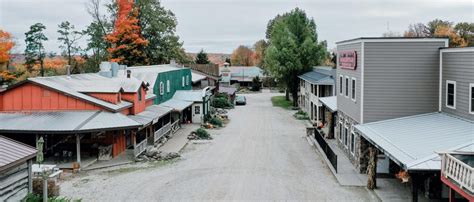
point(53, 187)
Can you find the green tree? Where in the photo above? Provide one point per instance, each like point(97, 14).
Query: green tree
point(466, 31)
point(96, 44)
point(434, 24)
point(201, 58)
point(35, 52)
point(68, 36)
point(158, 27)
point(293, 49)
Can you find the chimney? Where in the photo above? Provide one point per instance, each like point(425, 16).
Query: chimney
point(68, 71)
point(114, 68)
point(226, 64)
point(105, 69)
point(129, 73)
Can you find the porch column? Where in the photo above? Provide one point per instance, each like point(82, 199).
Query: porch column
point(414, 187)
point(30, 174)
point(78, 149)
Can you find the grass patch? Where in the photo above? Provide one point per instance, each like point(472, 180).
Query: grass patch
point(280, 101)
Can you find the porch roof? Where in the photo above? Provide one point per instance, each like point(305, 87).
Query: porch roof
point(151, 114)
point(177, 104)
point(319, 76)
point(329, 102)
point(64, 122)
point(12, 153)
point(413, 141)
point(189, 95)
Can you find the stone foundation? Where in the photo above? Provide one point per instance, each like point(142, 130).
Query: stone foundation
point(359, 157)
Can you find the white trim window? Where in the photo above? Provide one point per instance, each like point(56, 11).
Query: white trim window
point(451, 94)
point(346, 139)
point(183, 81)
point(168, 86)
point(347, 86)
point(352, 142)
point(340, 131)
point(471, 98)
point(340, 84)
point(187, 80)
point(353, 89)
point(162, 88)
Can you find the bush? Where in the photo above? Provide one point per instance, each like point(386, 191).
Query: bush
point(220, 102)
point(39, 198)
point(202, 134)
point(301, 115)
point(216, 121)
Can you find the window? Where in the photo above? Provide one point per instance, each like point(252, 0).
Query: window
point(140, 94)
point(353, 89)
point(347, 86)
point(346, 133)
point(162, 88)
point(187, 80)
point(183, 81)
point(168, 88)
point(340, 84)
point(451, 94)
point(471, 100)
point(340, 131)
point(352, 142)
point(197, 110)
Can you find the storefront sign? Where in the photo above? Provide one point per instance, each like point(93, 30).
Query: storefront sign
point(348, 60)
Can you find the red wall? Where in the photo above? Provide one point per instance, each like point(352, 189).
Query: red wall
point(30, 97)
point(108, 97)
point(138, 106)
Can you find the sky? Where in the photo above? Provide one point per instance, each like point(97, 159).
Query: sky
point(220, 26)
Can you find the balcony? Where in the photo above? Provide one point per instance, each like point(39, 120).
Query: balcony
point(457, 171)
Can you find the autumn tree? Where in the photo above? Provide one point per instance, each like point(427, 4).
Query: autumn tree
point(127, 43)
point(434, 24)
point(293, 49)
point(201, 58)
point(68, 36)
point(242, 56)
point(455, 40)
point(35, 52)
point(260, 46)
point(417, 30)
point(466, 31)
point(6, 44)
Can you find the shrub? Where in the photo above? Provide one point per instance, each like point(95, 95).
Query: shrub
point(202, 133)
point(220, 102)
point(301, 115)
point(216, 121)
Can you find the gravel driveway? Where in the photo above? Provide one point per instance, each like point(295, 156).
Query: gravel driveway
point(261, 155)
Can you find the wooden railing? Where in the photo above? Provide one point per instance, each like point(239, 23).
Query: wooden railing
point(162, 131)
point(140, 147)
point(458, 171)
point(175, 127)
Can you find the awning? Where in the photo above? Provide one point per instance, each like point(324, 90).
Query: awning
point(195, 77)
point(64, 122)
point(413, 142)
point(177, 105)
point(151, 114)
point(329, 102)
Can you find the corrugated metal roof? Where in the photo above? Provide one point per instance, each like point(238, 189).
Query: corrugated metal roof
point(94, 82)
point(148, 74)
point(239, 72)
point(413, 141)
point(195, 77)
point(176, 104)
point(151, 114)
point(63, 121)
point(228, 90)
point(320, 76)
point(13, 152)
point(330, 102)
point(188, 95)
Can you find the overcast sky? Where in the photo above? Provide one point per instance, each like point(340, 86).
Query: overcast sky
point(221, 25)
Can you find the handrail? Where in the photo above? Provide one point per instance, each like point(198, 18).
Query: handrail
point(162, 131)
point(458, 171)
point(140, 147)
point(175, 126)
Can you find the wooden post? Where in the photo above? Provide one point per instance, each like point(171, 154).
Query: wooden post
point(452, 195)
point(78, 149)
point(30, 178)
point(372, 169)
point(414, 188)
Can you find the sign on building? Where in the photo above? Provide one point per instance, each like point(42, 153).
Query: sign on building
point(348, 60)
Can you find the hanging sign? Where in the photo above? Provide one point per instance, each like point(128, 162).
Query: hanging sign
point(348, 60)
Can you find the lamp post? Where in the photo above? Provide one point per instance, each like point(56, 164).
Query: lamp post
point(44, 174)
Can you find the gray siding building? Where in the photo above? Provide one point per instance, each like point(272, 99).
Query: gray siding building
point(380, 79)
point(458, 75)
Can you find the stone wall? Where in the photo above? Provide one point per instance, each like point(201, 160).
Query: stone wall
point(359, 157)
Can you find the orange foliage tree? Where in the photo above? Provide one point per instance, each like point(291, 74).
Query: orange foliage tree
point(242, 56)
point(6, 44)
point(455, 40)
point(127, 42)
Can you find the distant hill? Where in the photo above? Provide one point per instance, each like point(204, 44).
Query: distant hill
point(216, 58)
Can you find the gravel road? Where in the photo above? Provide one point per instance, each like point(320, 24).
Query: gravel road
point(260, 155)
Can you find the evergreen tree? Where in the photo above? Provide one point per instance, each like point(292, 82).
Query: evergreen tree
point(34, 52)
point(69, 37)
point(293, 49)
point(201, 58)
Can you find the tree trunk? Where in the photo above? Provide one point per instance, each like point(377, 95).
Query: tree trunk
point(294, 95)
point(371, 169)
point(287, 94)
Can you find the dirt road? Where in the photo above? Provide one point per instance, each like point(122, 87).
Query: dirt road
point(261, 155)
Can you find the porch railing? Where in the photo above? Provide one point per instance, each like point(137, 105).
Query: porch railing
point(458, 171)
point(327, 149)
point(140, 147)
point(162, 131)
point(175, 126)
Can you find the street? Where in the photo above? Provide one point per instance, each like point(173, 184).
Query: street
point(262, 154)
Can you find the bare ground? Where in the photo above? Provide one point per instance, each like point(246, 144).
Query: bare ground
point(260, 155)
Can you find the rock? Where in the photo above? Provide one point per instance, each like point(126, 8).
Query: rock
point(138, 159)
point(145, 158)
point(151, 151)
